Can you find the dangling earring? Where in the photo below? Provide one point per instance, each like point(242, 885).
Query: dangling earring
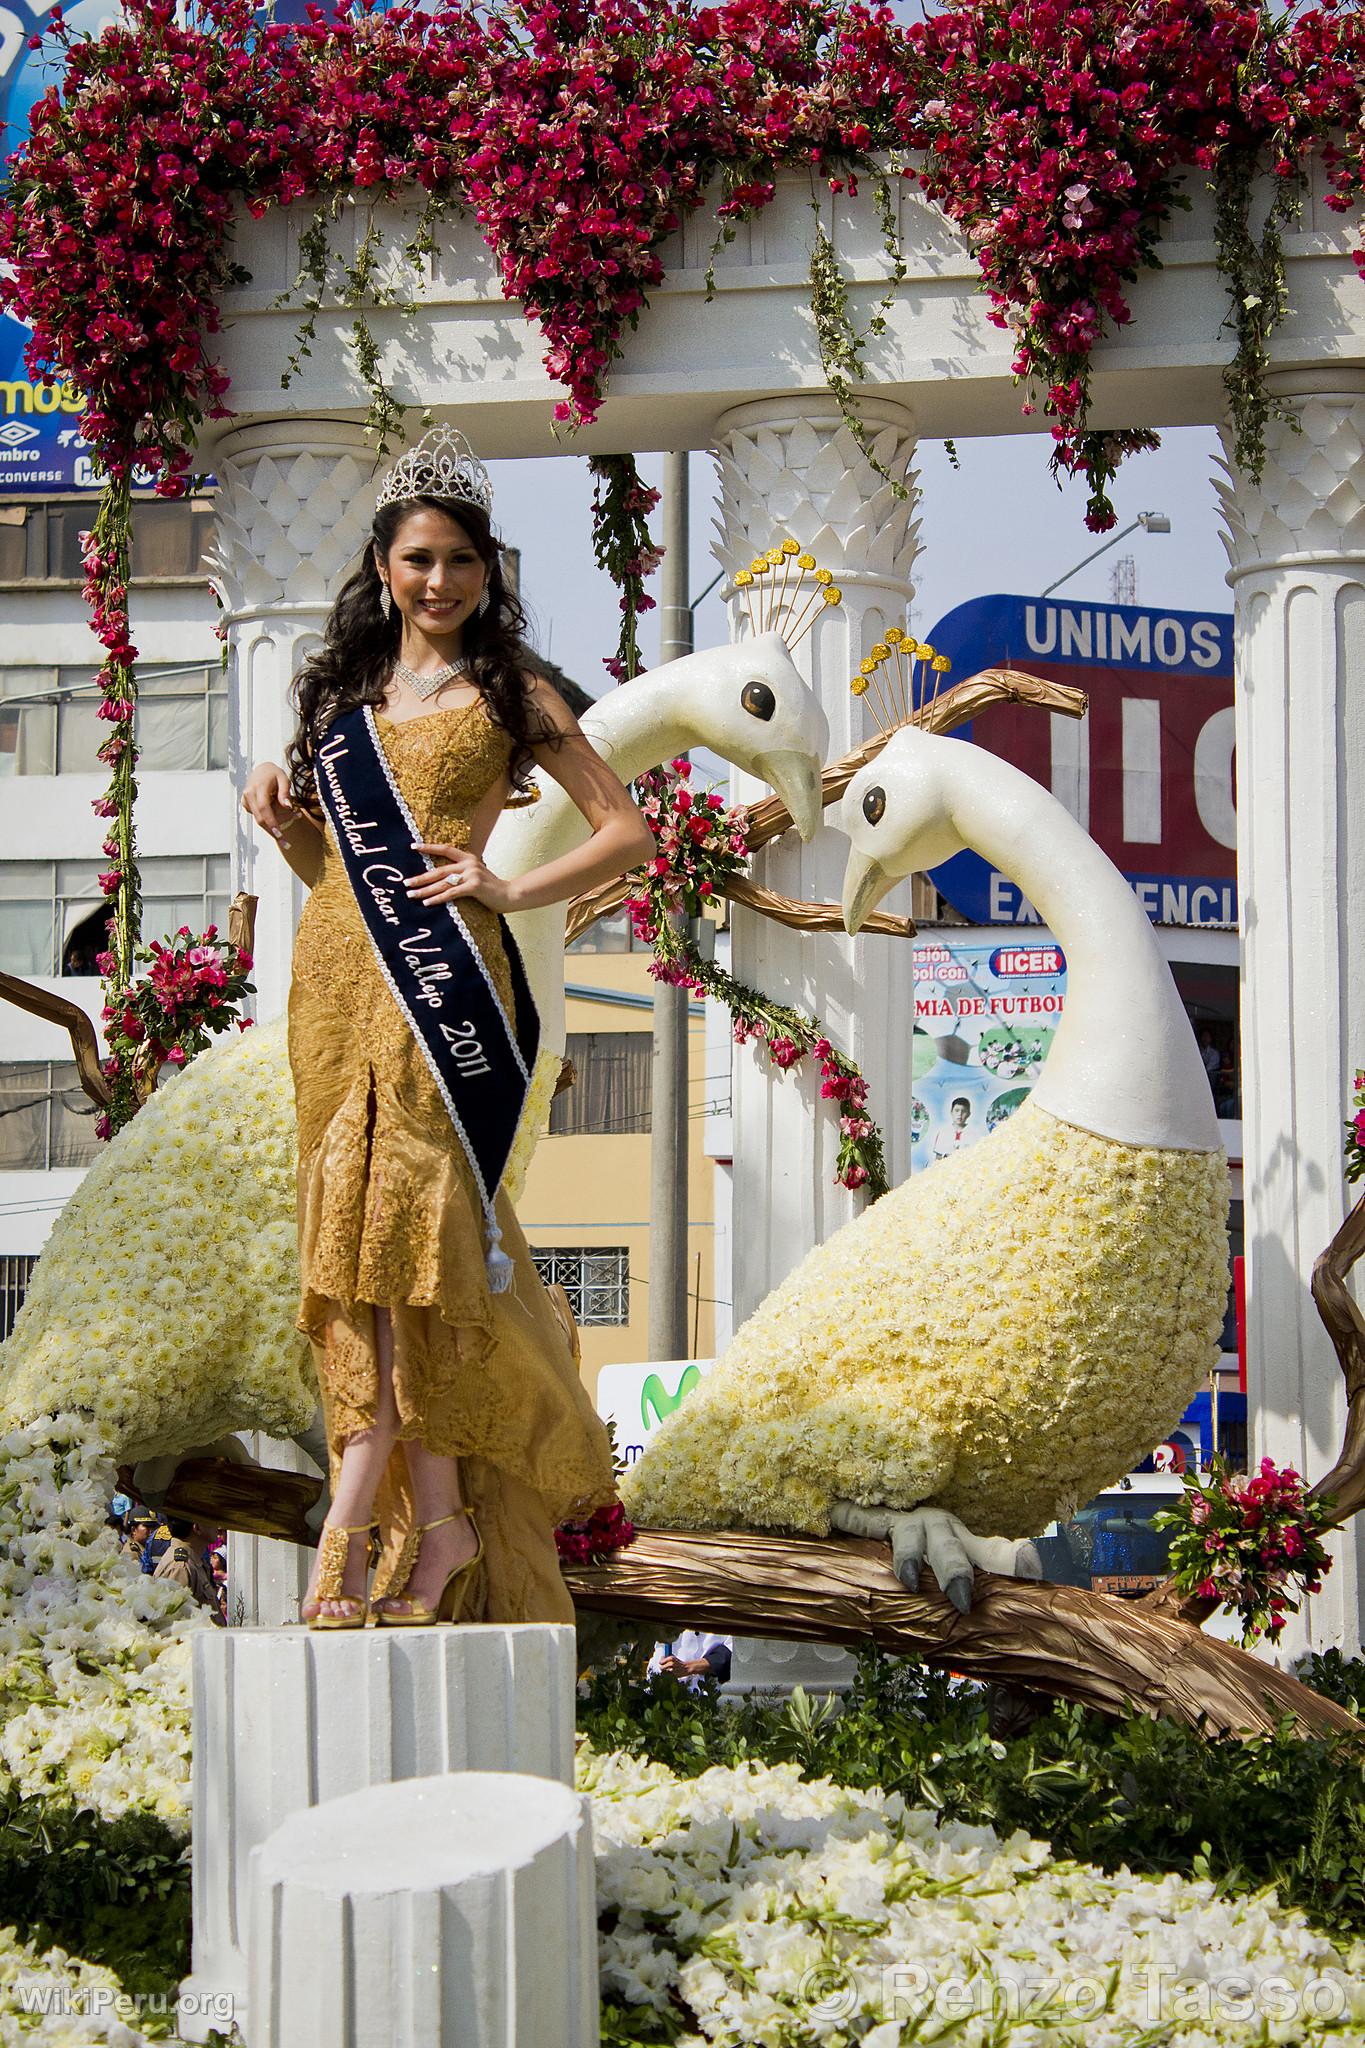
point(385, 599)
point(484, 601)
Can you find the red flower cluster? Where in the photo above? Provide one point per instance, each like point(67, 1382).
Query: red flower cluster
point(606, 1529)
point(700, 845)
point(1055, 139)
point(1355, 1132)
point(1251, 1544)
point(193, 988)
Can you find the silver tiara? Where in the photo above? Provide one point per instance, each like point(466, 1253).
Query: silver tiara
point(442, 465)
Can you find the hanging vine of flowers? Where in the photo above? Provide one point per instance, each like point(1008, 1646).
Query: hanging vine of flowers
point(702, 845)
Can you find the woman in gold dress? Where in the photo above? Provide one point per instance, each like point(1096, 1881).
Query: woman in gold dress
point(456, 1420)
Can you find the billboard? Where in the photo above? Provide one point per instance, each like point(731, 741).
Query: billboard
point(635, 1399)
point(41, 446)
point(985, 1018)
point(1149, 772)
point(42, 449)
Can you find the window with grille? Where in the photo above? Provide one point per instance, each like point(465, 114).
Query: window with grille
point(596, 1279)
point(14, 1276)
point(50, 910)
point(49, 723)
point(612, 1084)
point(46, 1118)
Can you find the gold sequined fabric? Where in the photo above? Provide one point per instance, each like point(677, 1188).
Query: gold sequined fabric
point(389, 1217)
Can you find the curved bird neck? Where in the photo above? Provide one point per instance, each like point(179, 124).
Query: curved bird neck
point(1124, 1063)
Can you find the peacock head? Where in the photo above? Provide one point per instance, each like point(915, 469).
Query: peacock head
point(749, 703)
point(897, 815)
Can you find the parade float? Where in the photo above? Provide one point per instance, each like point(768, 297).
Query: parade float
point(261, 249)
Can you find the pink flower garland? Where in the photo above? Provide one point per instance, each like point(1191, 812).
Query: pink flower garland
point(700, 846)
point(580, 133)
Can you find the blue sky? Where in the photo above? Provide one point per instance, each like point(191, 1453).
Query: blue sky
point(997, 523)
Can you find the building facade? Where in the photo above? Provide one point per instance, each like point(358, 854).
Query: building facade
point(51, 916)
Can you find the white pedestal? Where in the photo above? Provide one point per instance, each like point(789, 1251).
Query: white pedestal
point(287, 1718)
point(454, 1912)
point(765, 1664)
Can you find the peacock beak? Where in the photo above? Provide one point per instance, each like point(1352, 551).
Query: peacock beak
point(865, 883)
point(796, 778)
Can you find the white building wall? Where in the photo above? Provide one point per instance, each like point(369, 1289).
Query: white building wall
point(48, 817)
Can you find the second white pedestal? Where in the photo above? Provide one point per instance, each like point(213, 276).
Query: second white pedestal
point(454, 1912)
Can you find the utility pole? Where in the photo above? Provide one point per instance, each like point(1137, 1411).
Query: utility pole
point(668, 1117)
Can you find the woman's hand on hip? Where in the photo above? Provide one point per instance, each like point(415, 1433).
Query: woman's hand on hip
point(458, 873)
point(268, 798)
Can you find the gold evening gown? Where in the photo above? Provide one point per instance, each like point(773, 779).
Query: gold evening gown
point(389, 1215)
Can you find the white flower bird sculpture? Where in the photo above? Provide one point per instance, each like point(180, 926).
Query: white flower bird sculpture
point(164, 1303)
point(1008, 1332)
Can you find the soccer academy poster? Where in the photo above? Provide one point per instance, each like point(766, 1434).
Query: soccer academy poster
point(985, 1017)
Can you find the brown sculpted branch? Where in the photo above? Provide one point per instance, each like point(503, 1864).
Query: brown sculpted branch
point(1099, 1651)
point(1102, 1652)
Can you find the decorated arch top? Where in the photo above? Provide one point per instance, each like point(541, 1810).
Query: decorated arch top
point(580, 135)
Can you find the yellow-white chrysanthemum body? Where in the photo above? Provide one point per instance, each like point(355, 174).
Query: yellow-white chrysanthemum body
point(1002, 1336)
point(164, 1303)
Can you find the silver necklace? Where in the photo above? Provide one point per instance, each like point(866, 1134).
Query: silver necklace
point(427, 686)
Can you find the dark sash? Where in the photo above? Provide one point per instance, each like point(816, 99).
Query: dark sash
point(479, 1058)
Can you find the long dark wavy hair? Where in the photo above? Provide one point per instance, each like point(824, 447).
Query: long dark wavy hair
point(359, 646)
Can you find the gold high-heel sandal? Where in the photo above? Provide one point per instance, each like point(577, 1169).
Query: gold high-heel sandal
point(453, 1592)
point(334, 1550)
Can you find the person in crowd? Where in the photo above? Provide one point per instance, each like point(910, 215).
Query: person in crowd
point(137, 1528)
point(157, 1544)
point(692, 1658)
point(185, 1563)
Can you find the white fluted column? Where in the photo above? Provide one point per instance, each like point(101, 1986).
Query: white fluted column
point(292, 513)
point(287, 1718)
point(792, 467)
point(1296, 541)
point(452, 1912)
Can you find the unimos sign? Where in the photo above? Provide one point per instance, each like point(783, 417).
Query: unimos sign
point(1149, 770)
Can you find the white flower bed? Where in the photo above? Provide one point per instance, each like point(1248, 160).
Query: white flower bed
point(53, 2000)
point(785, 1912)
point(94, 1657)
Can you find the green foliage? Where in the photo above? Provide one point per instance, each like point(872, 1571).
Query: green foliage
point(1155, 1796)
point(115, 1892)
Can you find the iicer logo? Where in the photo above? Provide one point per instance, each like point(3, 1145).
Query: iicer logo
point(14, 434)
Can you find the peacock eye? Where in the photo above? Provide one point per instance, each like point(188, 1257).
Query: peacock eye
point(874, 805)
point(758, 700)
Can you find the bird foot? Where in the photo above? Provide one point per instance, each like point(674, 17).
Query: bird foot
point(932, 1536)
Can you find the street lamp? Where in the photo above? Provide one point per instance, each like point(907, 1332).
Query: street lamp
point(1150, 522)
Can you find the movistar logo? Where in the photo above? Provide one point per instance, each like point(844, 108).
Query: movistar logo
point(654, 1394)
